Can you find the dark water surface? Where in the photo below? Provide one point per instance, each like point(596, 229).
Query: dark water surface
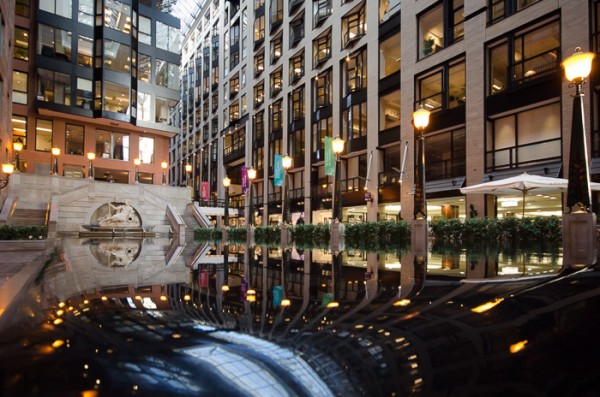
point(146, 318)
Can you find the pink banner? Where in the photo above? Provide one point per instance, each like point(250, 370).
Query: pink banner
point(244, 174)
point(204, 191)
point(203, 279)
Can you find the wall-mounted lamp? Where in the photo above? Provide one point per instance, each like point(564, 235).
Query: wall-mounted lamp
point(8, 169)
point(55, 153)
point(91, 157)
point(17, 147)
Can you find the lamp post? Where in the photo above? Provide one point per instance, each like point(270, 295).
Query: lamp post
point(286, 163)
point(137, 163)
point(91, 157)
point(164, 165)
point(8, 169)
point(336, 207)
point(420, 121)
point(251, 177)
point(188, 170)
point(17, 147)
point(226, 183)
point(55, 153)
point(579, 223)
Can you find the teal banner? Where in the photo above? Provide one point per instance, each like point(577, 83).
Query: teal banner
point(329, 157)
point(327, 298)
point(278, 170)
point(277, 295)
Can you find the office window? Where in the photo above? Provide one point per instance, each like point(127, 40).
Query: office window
point(354, 26)
point(259, 126)
point(500, 9)
point(165, 111)
point(354, 71)
point(112, 145)
point(53, 87)
point(243, 76)
point(144, 67)
point(523, 56)
point(168, 37)
point(116, 97)
point(297, 66)
point(321, 10)
point(145, 30)
point(322, 48)
point(524, 138)
point(259, 63)
point(54, 42)
point(146, 146)
point(64, 8)
point(22, 8)
point(276, 82)
point(276, 112)
point(84, 93)
point(117, 15)
point(445, 154)
point(21, 44)
point(85, 13)
point(19, 94)
point(296, 99)
point(297, 30)
point(234, 85)
point(244, 104)
point(74, 139)
point(85, 47)
point(244, 33)
point(259, 29)
point(389, 111)
point(167, 74)
point(320, 130)
point(43, 135)
point(276, 48)
point(234, 112)
point(215, 101)
point(144, 106)
point(297, 142)
point(322, 90)
point(354, 121)
point(117, 56)
point(19, 129)
point(388, 8)
point(389, 56)
point(443, 88)
point(259, 93)
point(434, 22)
point(276, 13)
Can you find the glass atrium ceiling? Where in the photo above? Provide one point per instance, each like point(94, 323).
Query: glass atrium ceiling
point(186, 10)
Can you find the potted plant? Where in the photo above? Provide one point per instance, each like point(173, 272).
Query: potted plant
point(428, 46)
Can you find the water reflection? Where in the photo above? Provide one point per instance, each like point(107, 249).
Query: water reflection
point(237, 320)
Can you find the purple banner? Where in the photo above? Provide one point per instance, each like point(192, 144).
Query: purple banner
point(245, 183)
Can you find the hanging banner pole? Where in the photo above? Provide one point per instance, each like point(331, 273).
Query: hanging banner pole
point(403, 161)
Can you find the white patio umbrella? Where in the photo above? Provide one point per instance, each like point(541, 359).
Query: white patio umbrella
point(523, 183)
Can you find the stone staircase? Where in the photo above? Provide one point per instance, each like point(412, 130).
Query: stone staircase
point(28, 217)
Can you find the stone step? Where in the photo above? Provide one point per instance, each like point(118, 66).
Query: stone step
point(28, 217)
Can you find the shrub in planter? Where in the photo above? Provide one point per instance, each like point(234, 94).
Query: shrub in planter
point(267, 235)
point(208, 234)
point(8, 232)
point(237, 234)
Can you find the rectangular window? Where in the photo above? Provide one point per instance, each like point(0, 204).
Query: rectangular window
point(116, 98)
point(443, 88)
point(322, 48)
point(276, 82)
point(389, 111)
point(259, 29)
point(525, 138)
point(53, 87)
point(22, 8)
point(64, 8)
point(440, 27)
point(234, 112)
point(167, 74)
point(117, 56)
point(54, 42)
point(145, 30)
point(84, 93)
point(322, 90)
point(259, 94)
point(500, 9)
point(388, 8)
point(85, 47)
point(297, 145)
point(19, 94)
point(297, 104)
point(21, 44)
point(144, 67)
point(523, 56)
point(296, 30)
point(276, 49)
point(86, 12)
point(19, 129)
point(259, 126)
point(445, 154)
point(321, 10)
point(389, 56)
point(43, 135)
point(320, 130)
point(112, 145)
point(146, 154)
point(74, 139)
point(297, 66)
point(276, 13)
point(259, 63)
point(276, 122)
point(117, 16)
point(354, 121)
point(355, 72)
point(166, 111)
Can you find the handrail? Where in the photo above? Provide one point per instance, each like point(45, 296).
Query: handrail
point(176, 222)
point(52, 215)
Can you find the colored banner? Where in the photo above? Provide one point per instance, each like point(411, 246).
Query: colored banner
point(204, 191)
point(278, 170)
point(329, 157)
point(277, 295)
point(244, 175)
point(327, 298)
point(203, 279)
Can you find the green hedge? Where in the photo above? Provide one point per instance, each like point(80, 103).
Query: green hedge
point(8, 232)
point(237, 234)
point(208, 234)
point(381, 235)
point(267, 235)
point(314, 236)
point(529, 229)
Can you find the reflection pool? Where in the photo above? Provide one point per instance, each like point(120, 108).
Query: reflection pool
point(151, 318)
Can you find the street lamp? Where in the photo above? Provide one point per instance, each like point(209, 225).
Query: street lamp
point(17, 147)
point(8, 169)
point(577, 68)
point(137, 163)
point(251, 177)
point(226, 183)
point(55, 153)
point(164, 165)
point(91, 157)
point(337, 146)
point(579, 222)
point(188, 170)
point(420, 121)
point(286, 163)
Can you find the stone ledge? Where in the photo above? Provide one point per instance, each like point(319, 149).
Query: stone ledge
point(23, 245)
